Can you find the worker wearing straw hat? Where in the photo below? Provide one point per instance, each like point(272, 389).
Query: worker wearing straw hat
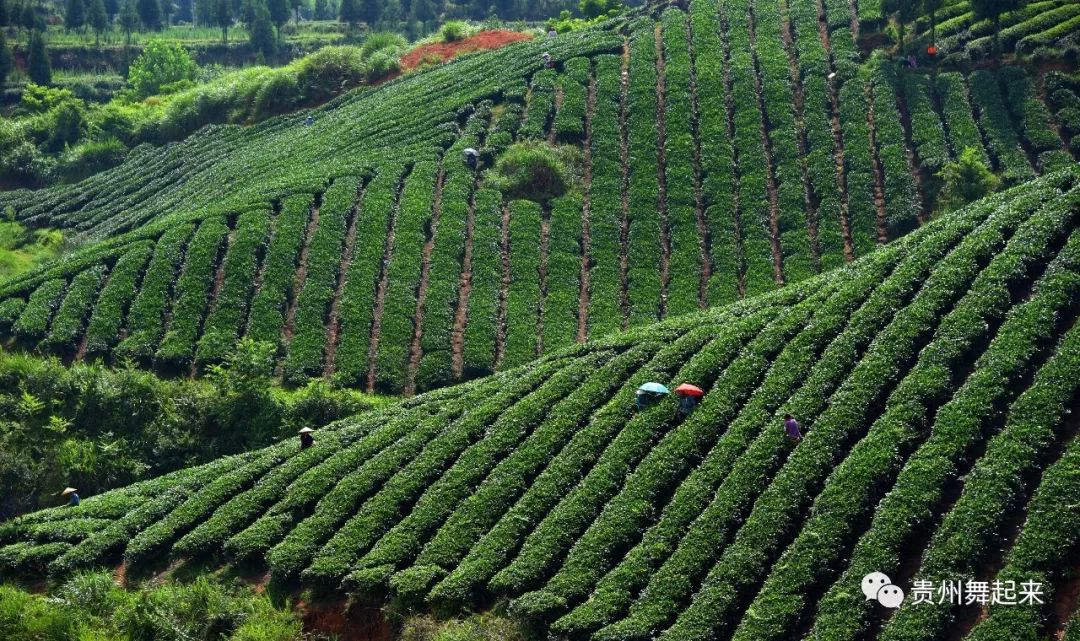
point(72, 494)
point(306, 439)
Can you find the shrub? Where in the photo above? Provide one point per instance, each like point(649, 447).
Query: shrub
point(161, 63)
point(88, 158)
point(330, 71)
point(382, 64)
point(535, 171)
point(966, 179)
point(382, 41)
point(453, 31)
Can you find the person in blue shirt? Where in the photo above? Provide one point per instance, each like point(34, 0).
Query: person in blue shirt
point(73, 496)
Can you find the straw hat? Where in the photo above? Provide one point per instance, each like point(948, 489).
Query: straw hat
point(68, 490)
point(306, 430)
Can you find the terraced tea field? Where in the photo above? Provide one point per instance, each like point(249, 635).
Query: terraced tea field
point(934, 379)
point(1043, 28)
point(728, 150)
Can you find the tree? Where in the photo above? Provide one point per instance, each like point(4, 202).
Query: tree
point(161, 63)
point(278, 14)
point(369, 11)
point(296, 5)
point(112, 9)
point(966, 180)
point(75, 15)
point(349, 12)
point(29, 18)
point(129, 20)
point(422, 11)
point(149, 14)
point(3, 13)
point(993, 10)
point(931, 7)
point(591, 8)
point(262, 33)
point(223, 18)
point(98, 19)
point(38, 67)
point(6, 61)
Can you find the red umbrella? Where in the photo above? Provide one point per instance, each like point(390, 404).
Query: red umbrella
point(686, 389)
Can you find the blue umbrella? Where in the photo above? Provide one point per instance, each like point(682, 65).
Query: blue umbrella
point(654, 388)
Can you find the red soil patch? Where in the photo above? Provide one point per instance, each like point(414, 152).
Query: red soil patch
point(355, 623)
point(443, 51)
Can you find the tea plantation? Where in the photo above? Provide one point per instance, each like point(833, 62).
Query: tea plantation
point(933, 378)
point(726, 149)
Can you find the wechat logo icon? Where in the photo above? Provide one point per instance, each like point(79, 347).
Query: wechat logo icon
point(878, 587)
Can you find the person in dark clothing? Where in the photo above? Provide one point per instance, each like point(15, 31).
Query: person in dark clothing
point(687, 404)
point(791, 427)
point(306, 439)
point(472, 157)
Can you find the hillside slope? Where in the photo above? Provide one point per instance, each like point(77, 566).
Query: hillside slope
point(934, 379)
point(722, 159)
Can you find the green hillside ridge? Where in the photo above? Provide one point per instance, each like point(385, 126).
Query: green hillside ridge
point(934, 380)
point(722, 158)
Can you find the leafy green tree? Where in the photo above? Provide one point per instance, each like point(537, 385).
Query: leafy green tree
point(296, 5)
point(423, 11)
point(30, 19)
point(75, 15)
point(966, 180)
point(3, 13)
point(592, 8)
point(279, 14)
point(931, 7)
point(161, 63)
point(38, 67)
point(128, 20)
point(223, 18)
point(369, 11)
point(149, 14)
point(112, 9)
point(993, 10)
point(98, 19)
point(262, 33)
point(6, 61)
point(349, 13)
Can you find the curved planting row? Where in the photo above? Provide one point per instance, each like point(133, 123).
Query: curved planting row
point(932, 380)
point(748, 142)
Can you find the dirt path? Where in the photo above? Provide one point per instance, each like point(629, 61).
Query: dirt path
point(661, 170)
point(915, 165)
point(415, 349)
point(289, 326)
point(384, 283)
point(461, 313)
point(875, 163)
point(810, 199)
point(770, 168)
point(553, 133)
point(736, 196)
point(838, 137)
point(624, 215)
point(263, 255)
point(854, 6)
point(80, 351)
point(586, 213)
point(333, 321)
point(704, 239)
point(215, 292)
point(545, 249)
point(504, 286)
